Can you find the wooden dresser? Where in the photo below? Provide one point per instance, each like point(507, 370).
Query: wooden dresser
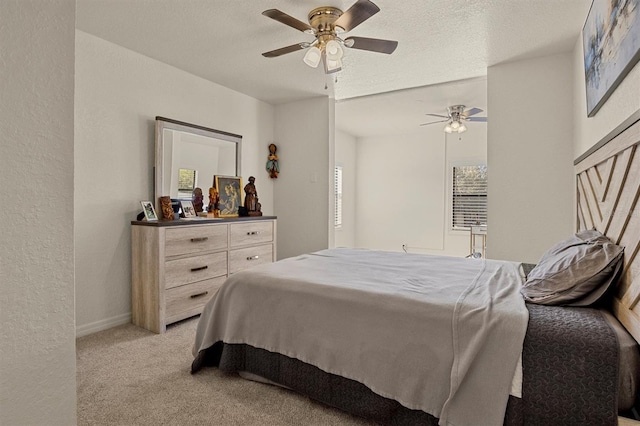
point(177, 266)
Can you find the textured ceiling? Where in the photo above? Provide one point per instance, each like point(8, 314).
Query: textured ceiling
point(439, 41)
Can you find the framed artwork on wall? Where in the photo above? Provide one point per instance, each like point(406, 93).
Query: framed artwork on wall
point(611, 47)
point(149, 211)
point(230, 192)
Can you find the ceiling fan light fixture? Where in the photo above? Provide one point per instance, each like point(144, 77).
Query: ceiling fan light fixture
point(333, 50)
point(313, 57)
point(331, 66)
point(325, 23)
point(456, 118)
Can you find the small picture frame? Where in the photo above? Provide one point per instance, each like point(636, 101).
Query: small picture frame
point(148, 210)
point(230, 193)
point(187, 209)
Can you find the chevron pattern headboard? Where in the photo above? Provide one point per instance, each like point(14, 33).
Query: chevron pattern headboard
point(608, 188)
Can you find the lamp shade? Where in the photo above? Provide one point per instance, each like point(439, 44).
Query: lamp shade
point(331, 66)
point(313, 57)
point(455, 125)
point(447, 128)
point(462, 128)
point(333, 50)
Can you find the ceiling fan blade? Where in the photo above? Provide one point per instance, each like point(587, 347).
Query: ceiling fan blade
point(472, 111)
point(359, 12)
point(285, 50)
point(288, 20)
point(434, 122)
point(438, 115)
point(484, 119)
point(371, 44)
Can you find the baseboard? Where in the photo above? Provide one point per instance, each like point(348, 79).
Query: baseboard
point(104, 324)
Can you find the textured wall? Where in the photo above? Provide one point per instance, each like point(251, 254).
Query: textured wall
point(118, 95)
point(37, 349)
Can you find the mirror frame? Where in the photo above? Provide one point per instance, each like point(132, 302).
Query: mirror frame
point(163, 124)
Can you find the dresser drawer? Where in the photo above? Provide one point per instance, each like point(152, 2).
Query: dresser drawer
point(243, 234)
point(248, 257)
point(188, 300)
point(195, 239)
point(196, 268)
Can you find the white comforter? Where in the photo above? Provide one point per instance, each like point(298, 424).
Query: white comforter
point(438, 334)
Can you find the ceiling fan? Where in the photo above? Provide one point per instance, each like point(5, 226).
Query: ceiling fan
point(325, 23)
point(455, 118)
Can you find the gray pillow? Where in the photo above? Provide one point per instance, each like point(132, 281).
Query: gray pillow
point(574, 272)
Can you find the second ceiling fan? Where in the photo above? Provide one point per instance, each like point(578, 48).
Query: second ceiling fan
point(325, 23)
point(455, 118)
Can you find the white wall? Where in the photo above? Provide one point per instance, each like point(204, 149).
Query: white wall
point(37, 353)
point(530, 157)
point(402, 188)
point(345, 146)
point(118, 95)
point(624, 101)
point(303, 135)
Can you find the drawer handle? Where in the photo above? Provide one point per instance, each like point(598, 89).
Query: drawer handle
point(200, 239)
point(253, 257)
point(204, 293)
point(253, 233)
point(201, 268)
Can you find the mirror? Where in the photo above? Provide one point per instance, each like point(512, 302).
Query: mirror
point(189, 156)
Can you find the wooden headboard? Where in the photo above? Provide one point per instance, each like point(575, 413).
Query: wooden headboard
point(608, 187)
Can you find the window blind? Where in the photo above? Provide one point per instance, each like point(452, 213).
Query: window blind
point(337, 216)
point(469, 197)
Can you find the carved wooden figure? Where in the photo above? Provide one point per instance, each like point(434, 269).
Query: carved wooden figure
point(198, 199)
point(272, 162)
point(251, 198)
point(214, 198)
point(167, 208)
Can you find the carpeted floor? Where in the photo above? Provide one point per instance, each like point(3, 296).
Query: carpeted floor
point(130, 376)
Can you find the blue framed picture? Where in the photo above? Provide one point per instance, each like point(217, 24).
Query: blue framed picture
point(611, 47)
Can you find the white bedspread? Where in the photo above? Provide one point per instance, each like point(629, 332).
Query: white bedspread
point(438, 334)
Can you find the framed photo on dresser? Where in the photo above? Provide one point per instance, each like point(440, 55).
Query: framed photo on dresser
point(148, 210)
point(187, 209)
point(230, 193)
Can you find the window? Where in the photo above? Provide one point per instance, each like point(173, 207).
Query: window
point(469, 196)
point(187, 179)
point(337, 216)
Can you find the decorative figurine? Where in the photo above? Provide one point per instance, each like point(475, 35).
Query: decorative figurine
point(251, 203)
point(167, 208)
point(272, 163)
point(214, 198)
point(198, 200)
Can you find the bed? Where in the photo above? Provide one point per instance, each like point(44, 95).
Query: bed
point(347, 327)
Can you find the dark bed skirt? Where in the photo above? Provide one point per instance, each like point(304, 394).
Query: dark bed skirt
point(570, 363)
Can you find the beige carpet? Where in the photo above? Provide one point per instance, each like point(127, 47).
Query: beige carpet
point(130, 376)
